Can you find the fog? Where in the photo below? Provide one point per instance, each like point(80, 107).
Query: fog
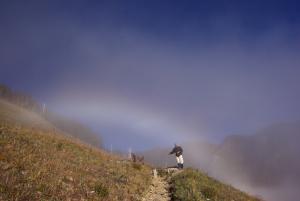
point(172, 94)
point(151, 79)
point(264, 164)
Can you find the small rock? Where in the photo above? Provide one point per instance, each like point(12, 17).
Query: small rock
point(69, 178)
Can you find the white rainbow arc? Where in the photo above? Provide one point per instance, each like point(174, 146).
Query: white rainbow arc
point(115, 111)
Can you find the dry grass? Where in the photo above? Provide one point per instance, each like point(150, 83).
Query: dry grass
point(41, 165)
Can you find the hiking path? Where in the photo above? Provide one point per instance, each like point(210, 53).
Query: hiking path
point(158, 191)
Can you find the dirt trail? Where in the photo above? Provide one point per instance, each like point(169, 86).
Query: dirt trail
point(158, 190)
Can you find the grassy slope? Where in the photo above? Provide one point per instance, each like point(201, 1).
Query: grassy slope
point(39, 164)
point(192, 185)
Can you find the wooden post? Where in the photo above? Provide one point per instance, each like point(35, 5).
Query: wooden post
point(154, 173)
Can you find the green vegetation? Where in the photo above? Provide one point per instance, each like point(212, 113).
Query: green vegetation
point(192, 185)
point(42, 165)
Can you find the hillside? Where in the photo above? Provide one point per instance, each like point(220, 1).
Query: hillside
point(42, 165)
point(74, 129)
point(40, 162)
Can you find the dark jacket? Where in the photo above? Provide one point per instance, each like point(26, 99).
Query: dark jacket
point(177, 150)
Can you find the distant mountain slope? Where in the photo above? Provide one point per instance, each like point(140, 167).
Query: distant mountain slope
point(18, 98)
point(267, 162)
point(12, 113)
point(74, 128)
point(27, 109)
point(37, 164)
point(268, 158)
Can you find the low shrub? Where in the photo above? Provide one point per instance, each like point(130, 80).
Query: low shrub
point(59, 146)
point(101, 190)
point(137, 166)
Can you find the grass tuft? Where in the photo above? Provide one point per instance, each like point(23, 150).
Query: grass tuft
point(101, 190)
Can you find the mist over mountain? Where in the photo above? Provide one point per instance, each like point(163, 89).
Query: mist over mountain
point(269, 157)
point(77, 129)
point(266, 163)
point(33, 113)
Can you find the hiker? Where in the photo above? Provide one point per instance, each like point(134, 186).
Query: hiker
point(177, 150)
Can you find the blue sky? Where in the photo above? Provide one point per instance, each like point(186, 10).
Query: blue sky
point(151, 73)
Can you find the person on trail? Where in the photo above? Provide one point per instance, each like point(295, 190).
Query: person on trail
point(178, 151)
